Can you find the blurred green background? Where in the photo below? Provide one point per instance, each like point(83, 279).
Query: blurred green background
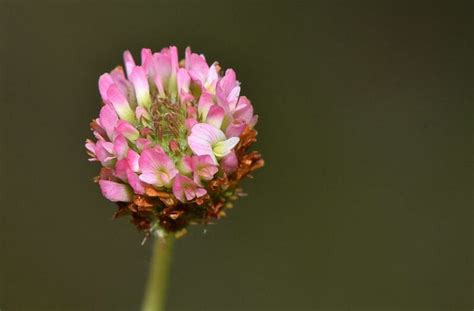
point(365, 124)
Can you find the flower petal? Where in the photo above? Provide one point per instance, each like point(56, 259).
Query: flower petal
point(178, 187)
point(223, 148)
point(119, 79)
point(143, 143)
point(126, 129)
point(235, 128)
point(132, 158)
point(244, 110)
point(228, 82)
point(90, 146)
point(212, 78)
point(205, 103)
point(200, 192)
point(108, 120)
point(196, 65)
point(149, 178)
point(203, 137)
point(215, 116)
point(185, 166)
point(105, 81)
point(207, 133)
point(121, 168)
point(159, 85)
point(189, 123)
point(149, 161)
point(148, 62)
point(129, 62)
point(230, 163)
point(115, 192)
point(120, 147)
point(120, 103)
point(140, 83)
point(183, 80)
point(135, 182)
point(189, 193)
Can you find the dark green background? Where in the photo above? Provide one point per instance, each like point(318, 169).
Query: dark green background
point(365, 124)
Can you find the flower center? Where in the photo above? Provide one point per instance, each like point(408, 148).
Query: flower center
point(168, 122)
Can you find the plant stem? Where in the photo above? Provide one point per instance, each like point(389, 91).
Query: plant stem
point(155, 292)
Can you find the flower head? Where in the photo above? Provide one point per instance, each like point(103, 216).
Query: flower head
point(172, 139)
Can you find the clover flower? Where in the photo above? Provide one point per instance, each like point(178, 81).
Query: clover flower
point(172, 138)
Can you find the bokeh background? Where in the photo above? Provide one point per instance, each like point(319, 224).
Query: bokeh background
point(365, 123)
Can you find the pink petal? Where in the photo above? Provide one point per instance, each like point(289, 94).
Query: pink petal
point(164, 179)
point(142, 113)
point(178, 188)
point(126, 129)
point(159, 85)
point(174, 58)
point(108, 146)
point(222, 99)
point(120, 147)
point(230, 163)
point(204, 168)
point(200, 192)
point(149, 178)
point(185, 189)
point(186, 165)
point(215, 116)
point(204, 160)
point(162, 65)
point(183, 80)
point(212, 78)
point(119, 79)
point(159, 149)
point(189, 123)
point(98, 130)
point(202, 137)
point(135, 182)
point(143, 143)
point(132, 158)
point(90, 146)
point(244, 110)
point(148, 62)
point(120, 103)
point(100, 152)
point(189, 193)
point(154, 161)
point(191, 112)
point(208, 172)
point(228, 82)
point(207, 133)
point(205, 103)
point(171, 169)
point(196, 65)
point(149, 161)
point(115, 192)
point(105, 81)
point(140, 83)
point(235, 128)
point(233, 97)
point(121, 168)
point(108, 120)
point(129, 62)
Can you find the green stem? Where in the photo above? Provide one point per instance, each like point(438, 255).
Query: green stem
point(155, 292)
